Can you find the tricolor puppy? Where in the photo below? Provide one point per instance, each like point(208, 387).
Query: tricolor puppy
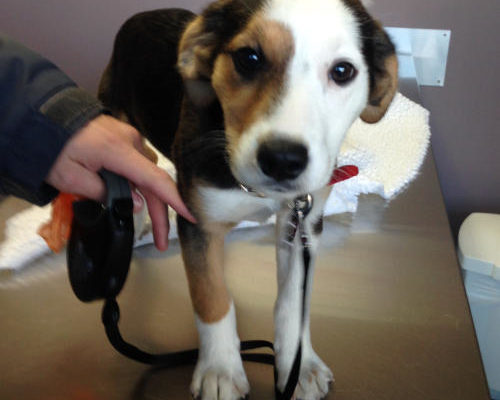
point(255, 94)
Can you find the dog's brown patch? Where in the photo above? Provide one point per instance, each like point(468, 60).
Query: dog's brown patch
point(207, 284)
point(244, 101)
point(203, 259)
point(203, 254)
point(383, 92)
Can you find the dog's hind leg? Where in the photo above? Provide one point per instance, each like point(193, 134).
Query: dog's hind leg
point(315, 377)
point(219, 372)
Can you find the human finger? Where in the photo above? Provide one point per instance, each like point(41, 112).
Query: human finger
point(158, 212)
point(147, 177)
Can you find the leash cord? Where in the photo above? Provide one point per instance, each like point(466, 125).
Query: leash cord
point(111, 316)
point(110, 319)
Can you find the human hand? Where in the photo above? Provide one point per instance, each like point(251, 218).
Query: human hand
point(106, 142)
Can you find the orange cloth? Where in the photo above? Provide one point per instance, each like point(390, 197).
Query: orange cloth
point(57, 230)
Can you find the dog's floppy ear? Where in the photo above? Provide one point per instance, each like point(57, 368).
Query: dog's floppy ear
point(203, 39)
point(194, 62)
point(196, 50)
point(382, 63)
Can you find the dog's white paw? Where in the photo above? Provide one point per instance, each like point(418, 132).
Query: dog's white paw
point(223, 379)
point(219, 373)
point(315, 379)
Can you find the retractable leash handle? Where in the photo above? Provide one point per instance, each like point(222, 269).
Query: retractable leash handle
point(100, 245)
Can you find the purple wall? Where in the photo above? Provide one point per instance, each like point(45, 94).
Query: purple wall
point(78, 36)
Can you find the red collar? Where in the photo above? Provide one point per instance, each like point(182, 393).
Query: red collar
point(343, 173)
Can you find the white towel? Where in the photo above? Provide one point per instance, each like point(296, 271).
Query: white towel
point(388, 154)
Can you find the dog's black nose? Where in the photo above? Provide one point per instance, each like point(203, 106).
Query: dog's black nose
point(282, 159)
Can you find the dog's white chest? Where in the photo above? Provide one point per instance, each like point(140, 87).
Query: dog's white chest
point(234, 205)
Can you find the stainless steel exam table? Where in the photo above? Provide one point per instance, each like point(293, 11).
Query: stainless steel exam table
point(389, 313)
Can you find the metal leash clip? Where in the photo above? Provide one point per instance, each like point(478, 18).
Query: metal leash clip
point(303, 205)
point(300, 206)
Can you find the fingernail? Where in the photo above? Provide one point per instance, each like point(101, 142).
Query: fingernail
point(190, 217)
point(162, 246)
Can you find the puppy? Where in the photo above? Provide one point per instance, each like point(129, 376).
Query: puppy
point(254, 94)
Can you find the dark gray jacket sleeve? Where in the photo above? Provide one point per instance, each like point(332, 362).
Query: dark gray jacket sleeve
point(40, 108)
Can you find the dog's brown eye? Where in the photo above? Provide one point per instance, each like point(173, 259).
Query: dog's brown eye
point(248, 62)
point(342, 73)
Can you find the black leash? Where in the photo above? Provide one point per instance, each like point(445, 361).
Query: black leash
point(111, 317)
point(95, 275)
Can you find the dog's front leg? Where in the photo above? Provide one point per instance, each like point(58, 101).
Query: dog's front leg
point(219, 372)
point(315, 377)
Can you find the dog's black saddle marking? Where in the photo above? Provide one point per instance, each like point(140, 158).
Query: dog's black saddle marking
point(141, 80)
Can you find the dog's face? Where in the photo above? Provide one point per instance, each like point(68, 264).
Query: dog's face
point(291, 77)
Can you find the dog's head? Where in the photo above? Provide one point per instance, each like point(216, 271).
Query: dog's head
point(291, 77)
